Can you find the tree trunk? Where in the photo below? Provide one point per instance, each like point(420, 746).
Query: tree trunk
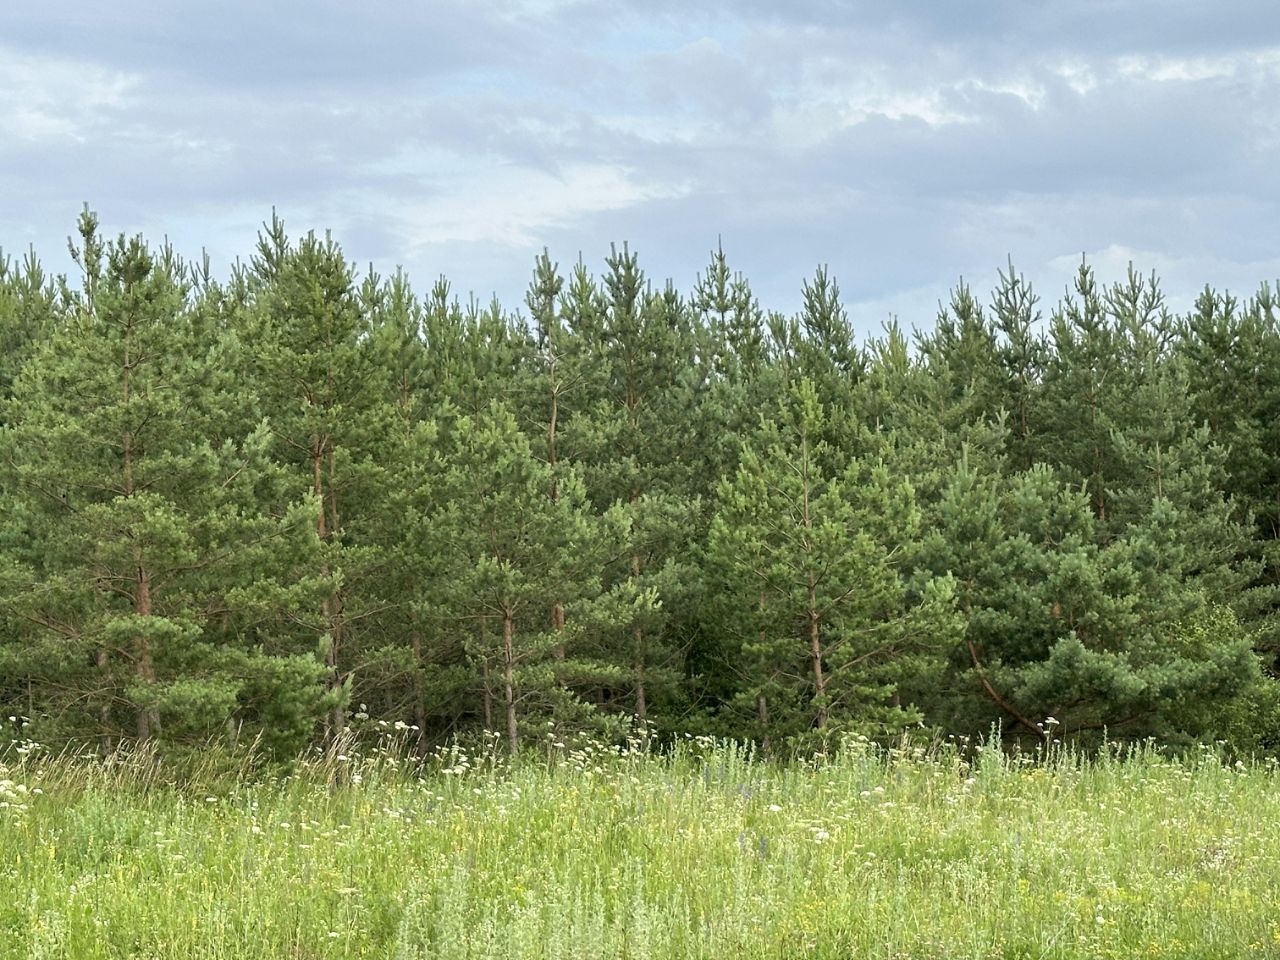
point(337, 604)
point(331, 606)
point(762, 709)
point(508, 679)
point(815, 627)
point(642, 706)
point(557, 610)
point(144, 666)
point(419, 706)
point(148, 720)
point(637, 636)
point(488, 695)
point(557, 624)
point(101, 661)
point(815, 656)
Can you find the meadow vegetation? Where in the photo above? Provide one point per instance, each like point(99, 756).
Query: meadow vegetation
point(580, 850)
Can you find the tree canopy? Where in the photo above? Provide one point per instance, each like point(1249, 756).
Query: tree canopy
point(251, 507)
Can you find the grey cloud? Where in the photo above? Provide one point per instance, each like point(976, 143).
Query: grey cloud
point(1023, 27)
point(323, 44)
point(903, 143)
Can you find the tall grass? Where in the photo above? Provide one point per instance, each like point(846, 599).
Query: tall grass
point(591, 853)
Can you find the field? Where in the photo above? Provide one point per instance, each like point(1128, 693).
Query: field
point(586, 853)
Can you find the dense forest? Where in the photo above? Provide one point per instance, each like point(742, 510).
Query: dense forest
point(305, 498)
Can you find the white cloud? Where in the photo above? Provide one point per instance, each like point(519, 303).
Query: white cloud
point(51, 98)
point(1253, 65)
point(514, 206)
point(1181, 275)
point(1079, 75)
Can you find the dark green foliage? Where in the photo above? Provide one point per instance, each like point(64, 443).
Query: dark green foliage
point(249, 509)
point(813, 550)
point(144, 583)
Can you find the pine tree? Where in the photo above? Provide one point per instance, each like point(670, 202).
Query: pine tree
point(509, 546)
point(409, 669)
point(28, 310)
point(557, 379)
point(152, 582)
point(1231, 358)
point(814, 559)
point(633, 432)
point(1083, 389)
point(1022, 354)
point(1099, 635)
point(311, 360)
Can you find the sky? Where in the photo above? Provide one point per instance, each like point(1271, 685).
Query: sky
point(904, 144)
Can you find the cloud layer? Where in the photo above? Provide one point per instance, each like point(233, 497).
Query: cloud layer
point(905, 144)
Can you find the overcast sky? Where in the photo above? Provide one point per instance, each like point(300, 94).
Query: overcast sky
point(904, 144)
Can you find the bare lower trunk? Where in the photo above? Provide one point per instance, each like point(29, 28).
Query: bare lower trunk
point(815, 618)
point(1000, 701)
point(488, 695)
point(338, 716)
point(557, 624)
point(336, 719)
point(104, 711)
point(815, 656)
point(508, 680)
point(557, 611)
point(642, 707)
point(144, 666)
point(638, 639)
point(331, 606)
point(148, 720)
point(419, 704)
point(762, 702)
point(337, 603)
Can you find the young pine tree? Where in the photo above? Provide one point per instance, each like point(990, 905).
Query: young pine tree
point(813, 555)
point(508, 547)
point(150, 578)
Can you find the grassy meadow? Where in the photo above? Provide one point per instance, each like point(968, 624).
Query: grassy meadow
point(586, 852)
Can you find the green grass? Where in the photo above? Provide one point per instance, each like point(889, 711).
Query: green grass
point(585, 854)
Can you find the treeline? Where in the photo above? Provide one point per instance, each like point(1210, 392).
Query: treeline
point(274, 505)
